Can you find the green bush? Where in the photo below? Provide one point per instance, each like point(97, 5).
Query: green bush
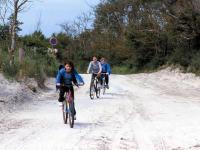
point(181, 57)
point(195, 64)
point(51, 66)
point(155, 63)
point(35, 65)
point(121, 70)
point(10, 71)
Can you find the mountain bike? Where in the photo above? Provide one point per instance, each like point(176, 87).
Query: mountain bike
point(68, 109)
point(95, 88)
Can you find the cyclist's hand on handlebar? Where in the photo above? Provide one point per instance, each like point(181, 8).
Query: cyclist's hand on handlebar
point(57, 87)
point(99, 74)
point(77, 85)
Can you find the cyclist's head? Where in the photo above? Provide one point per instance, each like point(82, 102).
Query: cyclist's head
point(94, 58)
point(103, 60)
point(69, 66)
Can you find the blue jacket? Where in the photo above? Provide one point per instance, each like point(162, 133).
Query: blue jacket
point(79, 78)
point(66, 79)
point(106, 68)
point(61, 73)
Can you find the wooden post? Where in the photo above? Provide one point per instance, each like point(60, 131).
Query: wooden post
point(21, 56)
point(21, 60)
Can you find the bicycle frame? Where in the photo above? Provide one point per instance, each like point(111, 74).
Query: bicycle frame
point(94, 88)
point(104, 82)
point(68, 108)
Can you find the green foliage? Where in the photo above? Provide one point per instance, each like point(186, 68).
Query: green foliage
point(39, 65)
point(38, 62)
point(134, 36)
point(4, 32)
point(51, 67)
point(10, 71)
point(37, 39)
point(181, 57)
point(122, 70)
point(195, 64)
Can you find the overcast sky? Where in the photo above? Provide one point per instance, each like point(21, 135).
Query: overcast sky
point(53, 13)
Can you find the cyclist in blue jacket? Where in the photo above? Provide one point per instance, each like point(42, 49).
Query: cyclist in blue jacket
point(64, 80)
point(106, 71)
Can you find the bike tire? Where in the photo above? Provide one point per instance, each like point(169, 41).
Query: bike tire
point(104, 91)
point(71, 114)
point(98, 93)
point(92, 91)
point(65, 113)
point(97, 90)
point(104, 87)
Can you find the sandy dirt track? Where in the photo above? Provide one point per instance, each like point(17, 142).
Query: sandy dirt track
point(158, 111)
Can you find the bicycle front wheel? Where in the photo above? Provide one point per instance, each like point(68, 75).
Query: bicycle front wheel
point(65, 112)
point(97, 89)
point(71, 114)
point(92, 91)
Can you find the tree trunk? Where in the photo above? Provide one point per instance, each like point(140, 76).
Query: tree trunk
point(13, 33)
point(0, 58)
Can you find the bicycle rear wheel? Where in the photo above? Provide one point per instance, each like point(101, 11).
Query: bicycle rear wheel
point(92, 90)
point(97, 90)
point(65, 112)
point(104, 87)
point(71, 114)
point(98, 93)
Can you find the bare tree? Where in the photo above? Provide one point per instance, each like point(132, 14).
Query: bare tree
point(17, 6)
point(196, 5)
point(84, 20)
point(3, 11)
point(69, 29)
point(39, 22)
point(79, 25)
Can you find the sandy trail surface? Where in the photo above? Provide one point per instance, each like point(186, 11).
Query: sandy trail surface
point(158, 111)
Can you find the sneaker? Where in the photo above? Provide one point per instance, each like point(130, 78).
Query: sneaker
point(98, 85)
point(107, 86)
point(60, 104)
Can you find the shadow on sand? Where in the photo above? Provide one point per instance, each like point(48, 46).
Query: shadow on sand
point(83, 125)
point(116, 94)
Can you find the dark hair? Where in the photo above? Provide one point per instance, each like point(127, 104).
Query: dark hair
point(61, 67)
point(103, 58)
point(70, 64)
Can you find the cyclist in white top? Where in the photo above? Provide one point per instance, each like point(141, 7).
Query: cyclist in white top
point(95, 68)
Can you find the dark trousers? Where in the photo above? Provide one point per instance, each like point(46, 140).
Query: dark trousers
point(64, 90)
point(106, 78)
